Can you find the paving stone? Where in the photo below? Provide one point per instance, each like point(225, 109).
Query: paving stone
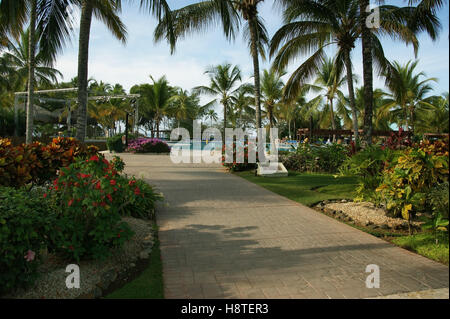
point(217, 228)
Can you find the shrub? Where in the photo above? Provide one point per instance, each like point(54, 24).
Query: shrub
point(368, 165)
point(399, 140)
point(148, 145)
point(89, 223)
point(92, 196)
point(24, 222)
point(37, 163)
point(235, 166)
point(115, 144)
point(310, 158)
point(407, 182)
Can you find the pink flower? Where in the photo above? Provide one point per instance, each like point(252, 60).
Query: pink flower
point(30, 255)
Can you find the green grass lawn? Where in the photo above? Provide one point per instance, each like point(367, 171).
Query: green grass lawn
point(425, 245)
point(306, 188)
point(148, 285)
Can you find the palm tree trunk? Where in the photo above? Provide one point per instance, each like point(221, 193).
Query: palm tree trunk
point(270, 116)
point(351, 94)
point(254, 53)
point(224, 123)
point(367, 73)
point(333, 123)
point(83, 59)
point(31, 67)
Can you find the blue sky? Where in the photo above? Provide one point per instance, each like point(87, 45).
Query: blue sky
point(130, 64)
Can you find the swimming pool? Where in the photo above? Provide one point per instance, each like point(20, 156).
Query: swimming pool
point(218, 144)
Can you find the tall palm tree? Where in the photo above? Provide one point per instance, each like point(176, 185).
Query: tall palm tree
point(49, 24)
point(223, 80)
point(312, 25)
point(227, 13)
point(419, 18)
point(212, 116)
point(272, 91)
point(107, 11)
point(182, 104)
point(243, 111)
point(408, 92)
point(157, 96)
point(329, 80)
point(434, 118)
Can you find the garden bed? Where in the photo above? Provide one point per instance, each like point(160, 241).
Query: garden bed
point(96, 277)
point(365, 214)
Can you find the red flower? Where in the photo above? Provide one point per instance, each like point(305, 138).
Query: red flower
point(94, 158)
point(70, 202)
point(71, 247)
point(85, 175)
point(109, 197)
point(137, 191)
point(105, 161)
point(112, 182)
point(118, 235)
point(45, 195)
point(98, 186)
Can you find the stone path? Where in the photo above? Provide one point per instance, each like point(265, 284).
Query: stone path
point(224, 237)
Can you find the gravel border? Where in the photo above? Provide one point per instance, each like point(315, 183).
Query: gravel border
point(95, 276)
point(364, 214)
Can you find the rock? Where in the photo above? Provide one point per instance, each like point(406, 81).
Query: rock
point(145, 253)
point(97, 292)
point(107, 278)
point(344, 201)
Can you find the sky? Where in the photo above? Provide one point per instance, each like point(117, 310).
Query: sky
point(130, 64)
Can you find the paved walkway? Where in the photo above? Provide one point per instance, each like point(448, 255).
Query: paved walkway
point(224, 237)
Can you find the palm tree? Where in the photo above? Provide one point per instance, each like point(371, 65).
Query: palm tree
point(157, 98)
point(243, 112)
point(105, 10)
point(330, 79)
point(181, 105)
point(420, 18)
point(212, 116)
point(223, 80)
point(434, 119)
point(272, 91)
point(204, 14)
point(52, 19)
point(313, 25)
point(408, 92)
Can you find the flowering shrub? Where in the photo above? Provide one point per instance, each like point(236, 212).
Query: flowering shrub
point(235, 166)
point(91, 197)
point(400, 140)
point(36, 162)
point(148, 145)
point(24, 222)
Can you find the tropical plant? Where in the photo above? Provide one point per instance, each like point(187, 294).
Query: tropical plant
point(212, 116)
point(223, 80)
point(49, 24)
point(313, 25)
point(419, 18)
point(201, 15)
point(433, 117)
point(242, 111)
point(408, 93)
point(272, 92)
